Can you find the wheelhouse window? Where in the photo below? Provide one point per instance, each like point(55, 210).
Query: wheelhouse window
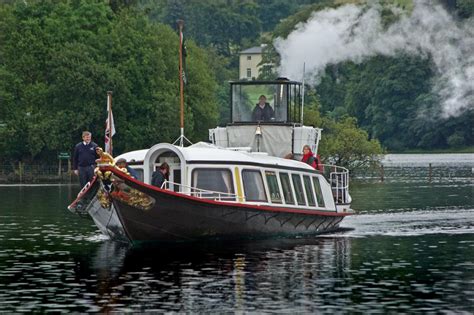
point(210, 181)
point(272, 183)
point(283, 96)
point(308, 187)
point(253, 186)
point(298, 189)
point(318, 191)
point(286, 186)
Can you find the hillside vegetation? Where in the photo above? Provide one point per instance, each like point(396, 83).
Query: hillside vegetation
point(58, 60)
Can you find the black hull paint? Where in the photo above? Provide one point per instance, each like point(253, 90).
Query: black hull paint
point(175, 217)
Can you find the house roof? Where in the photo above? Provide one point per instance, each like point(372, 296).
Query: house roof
point(252, 50)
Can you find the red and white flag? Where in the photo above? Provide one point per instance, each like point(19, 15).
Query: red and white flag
point(109, 125)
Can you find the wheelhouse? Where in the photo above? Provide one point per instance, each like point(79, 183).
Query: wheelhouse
point(282, 95)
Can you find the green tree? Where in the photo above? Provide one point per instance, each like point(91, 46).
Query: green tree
point(344, 144)
point(57, 62)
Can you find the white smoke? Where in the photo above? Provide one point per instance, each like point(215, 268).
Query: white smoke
point(353, 33)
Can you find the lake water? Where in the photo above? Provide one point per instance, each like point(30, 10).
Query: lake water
point(410, 250)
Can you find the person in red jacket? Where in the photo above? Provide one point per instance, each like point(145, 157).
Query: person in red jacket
point(310, 159)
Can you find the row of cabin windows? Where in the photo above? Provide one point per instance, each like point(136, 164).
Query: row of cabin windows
point(220, 180)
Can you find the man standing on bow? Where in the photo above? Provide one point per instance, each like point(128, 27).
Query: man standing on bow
point(84, 158)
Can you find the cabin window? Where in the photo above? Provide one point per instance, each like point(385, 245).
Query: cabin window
point(176, 180)
point(286, 186)
point(212, 180)
point(308, 187)
point(298, 189)
point(319, 193)
point(139, 172)
point(249, 73)
point(272, 183)
point(253, 186)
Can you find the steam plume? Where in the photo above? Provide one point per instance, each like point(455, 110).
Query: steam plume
point(354, 33)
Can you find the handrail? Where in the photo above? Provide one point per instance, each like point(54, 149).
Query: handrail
point(203, 193)
point(339, 180)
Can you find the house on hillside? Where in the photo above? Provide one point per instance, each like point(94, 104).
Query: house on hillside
point(249, 62)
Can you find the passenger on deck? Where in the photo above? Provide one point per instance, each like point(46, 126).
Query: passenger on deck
point(122, 163)
point(160, 175)
point(310, 159)
point(263, 111)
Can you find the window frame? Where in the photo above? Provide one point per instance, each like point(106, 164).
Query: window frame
point(292, 193)
point(318, 182)
point(275, 175)
point(219, 168)
point(311, 192)
point(298, 176)
point(258, 171)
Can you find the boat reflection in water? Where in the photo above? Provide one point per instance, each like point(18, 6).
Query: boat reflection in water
point(257, 275)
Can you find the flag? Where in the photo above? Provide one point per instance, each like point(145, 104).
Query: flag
point(109, 125)
point(184, 54)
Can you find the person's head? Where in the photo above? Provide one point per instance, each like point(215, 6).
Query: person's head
point(86, 136)
point(122, 163)
point(262, 100)
point(165, 168)
point(306, 149)
point(99, 150)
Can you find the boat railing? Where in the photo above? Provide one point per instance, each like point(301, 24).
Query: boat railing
point(339, 179)
point(201, 193)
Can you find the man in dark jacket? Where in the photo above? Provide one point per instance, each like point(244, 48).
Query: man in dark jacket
point(160, 175)
point(84, 158)
point(263, 111)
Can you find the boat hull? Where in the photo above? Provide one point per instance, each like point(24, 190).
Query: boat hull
point(148, 213)
point(90, 202)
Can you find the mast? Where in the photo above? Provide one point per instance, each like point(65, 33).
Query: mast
point(181, 85)
point(302, 98)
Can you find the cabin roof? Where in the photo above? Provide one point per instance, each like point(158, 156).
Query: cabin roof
point(206, 152)
point(133, 156)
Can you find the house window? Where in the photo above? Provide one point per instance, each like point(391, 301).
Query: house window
point(319, 193)
point(272, 183)
point(253, 186)
point(298, 189)
point(249, 57)
point(309, 191)
point(286, 186)
point(249, 73)
point(212, 180)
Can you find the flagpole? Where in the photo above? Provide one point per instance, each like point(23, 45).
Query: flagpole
point(302, 98)
point(181, 85)
point(109, 120)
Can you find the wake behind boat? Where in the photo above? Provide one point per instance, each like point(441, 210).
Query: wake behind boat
point(238, 186)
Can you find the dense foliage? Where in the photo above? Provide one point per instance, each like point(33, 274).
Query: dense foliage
point(58, 61)
point(59, 58)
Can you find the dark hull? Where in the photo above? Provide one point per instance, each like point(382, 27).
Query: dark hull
point(88, 203)
point(162, 215)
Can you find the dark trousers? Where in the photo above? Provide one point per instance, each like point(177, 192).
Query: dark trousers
point(85, 174)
